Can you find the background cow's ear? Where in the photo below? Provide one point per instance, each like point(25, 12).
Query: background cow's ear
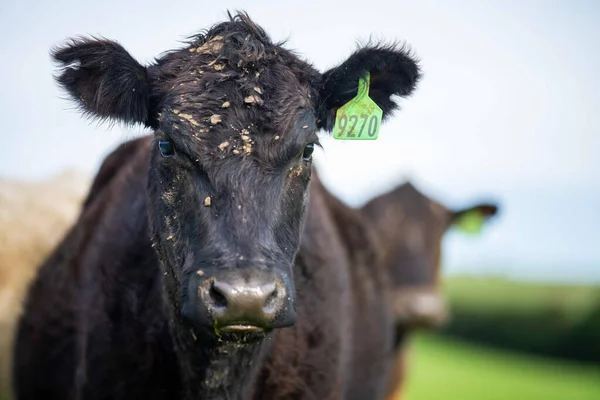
point(487, 210)
point(472, 219)
point(104, 80)
point(394, 71)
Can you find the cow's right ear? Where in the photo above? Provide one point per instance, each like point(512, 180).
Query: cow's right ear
point(393, 70)
point(104, 80)
point(472, 219)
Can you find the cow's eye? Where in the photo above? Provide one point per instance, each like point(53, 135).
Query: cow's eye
point(166, 148)
point(308, 150)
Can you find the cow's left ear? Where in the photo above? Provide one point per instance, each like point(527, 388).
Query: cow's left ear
point(472, 219)
point(105, 81)
point(393, 69)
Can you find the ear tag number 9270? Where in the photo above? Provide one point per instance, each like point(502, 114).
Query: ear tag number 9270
point(360, 118)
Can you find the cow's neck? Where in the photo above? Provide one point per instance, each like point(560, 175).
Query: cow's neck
point(216, 370)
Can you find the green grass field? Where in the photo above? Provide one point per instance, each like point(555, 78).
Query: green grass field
point(557, 320)
point(446, 369)
point(496, 294)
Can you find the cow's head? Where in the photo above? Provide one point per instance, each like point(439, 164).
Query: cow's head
point(235, 119)
point(410, 228)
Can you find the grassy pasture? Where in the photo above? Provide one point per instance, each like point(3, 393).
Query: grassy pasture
point(443, 368)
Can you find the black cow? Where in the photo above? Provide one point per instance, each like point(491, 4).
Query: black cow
point(409, 228)
point(184, 265)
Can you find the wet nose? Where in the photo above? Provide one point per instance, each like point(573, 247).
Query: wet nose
point(237, 304)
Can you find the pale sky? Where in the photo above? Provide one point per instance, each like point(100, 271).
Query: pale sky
point(507, 108)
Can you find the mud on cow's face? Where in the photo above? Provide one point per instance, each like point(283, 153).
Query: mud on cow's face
point(235, 119)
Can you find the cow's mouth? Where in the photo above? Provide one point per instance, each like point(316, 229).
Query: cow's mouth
point(420, 308)
point(242, 328)
point(241, 333)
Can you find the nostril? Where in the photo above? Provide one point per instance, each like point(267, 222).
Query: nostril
point(271, 301)
point(217, 297)
point(274, 298)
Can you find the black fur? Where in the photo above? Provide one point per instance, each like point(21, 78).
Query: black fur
point(232, 200)
point(109, 83)
point(105, 81)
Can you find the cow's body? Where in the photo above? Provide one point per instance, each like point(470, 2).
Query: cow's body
point(111, 338)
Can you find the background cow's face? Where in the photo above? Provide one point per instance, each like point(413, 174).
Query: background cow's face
point(235, 119)
point(411, 228)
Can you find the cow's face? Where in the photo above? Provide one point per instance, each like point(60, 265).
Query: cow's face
point(235, 118)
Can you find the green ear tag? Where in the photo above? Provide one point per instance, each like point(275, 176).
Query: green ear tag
point(471, 222)
point(360, 118)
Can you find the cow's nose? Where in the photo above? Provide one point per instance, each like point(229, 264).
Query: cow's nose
point(236, 304)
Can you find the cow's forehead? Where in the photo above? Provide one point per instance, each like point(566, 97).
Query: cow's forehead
point(420, 207)
point(223, 86)
point(233, 119)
